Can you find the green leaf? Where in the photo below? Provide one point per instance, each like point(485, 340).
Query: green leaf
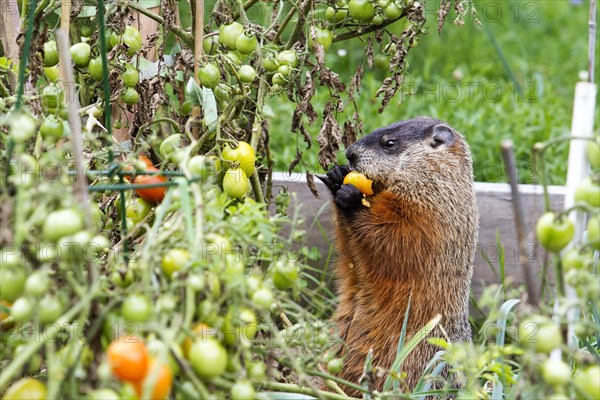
point(205, 99)
point(410, 346)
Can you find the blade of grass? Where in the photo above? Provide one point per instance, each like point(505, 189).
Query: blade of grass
point(402, 336)
point(409, 347)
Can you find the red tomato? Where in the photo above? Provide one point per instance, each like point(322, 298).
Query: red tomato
point(152, 195)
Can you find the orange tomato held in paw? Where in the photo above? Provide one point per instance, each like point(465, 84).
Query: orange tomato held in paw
point(159, 376)
point(362, 183)
point(128, 358)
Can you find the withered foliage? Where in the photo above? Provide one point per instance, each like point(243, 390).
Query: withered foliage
point(406, 41)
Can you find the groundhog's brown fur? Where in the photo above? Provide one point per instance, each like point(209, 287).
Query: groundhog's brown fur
point(416, 240)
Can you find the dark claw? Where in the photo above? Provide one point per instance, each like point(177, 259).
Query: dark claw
point(335, 177)
point(348, 198)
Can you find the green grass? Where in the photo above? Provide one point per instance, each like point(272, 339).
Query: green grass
point(543, 46)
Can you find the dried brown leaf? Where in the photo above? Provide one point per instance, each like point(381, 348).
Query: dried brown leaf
point(329, 138)
point(310, 181)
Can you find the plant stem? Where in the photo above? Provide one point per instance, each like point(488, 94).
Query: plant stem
point(185, 37)
point(30, 349)
point(368, 29)
point(284, 23)
point(300, 24)
point(293, 388)
point(335, 379)
point(246, 6)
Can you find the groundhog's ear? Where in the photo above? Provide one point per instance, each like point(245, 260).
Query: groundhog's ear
point(442, 134)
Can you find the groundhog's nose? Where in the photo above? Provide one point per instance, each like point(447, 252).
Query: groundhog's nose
point(351, 154)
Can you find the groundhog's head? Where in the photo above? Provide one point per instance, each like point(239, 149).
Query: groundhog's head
point(419, 154)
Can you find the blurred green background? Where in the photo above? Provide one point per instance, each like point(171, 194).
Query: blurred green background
point(468, 76)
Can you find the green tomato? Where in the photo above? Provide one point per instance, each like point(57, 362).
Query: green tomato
point(22, 309)
point(234, 57)
point(269, 63)
point(103, 394)
point(593, 153)
point(49, 310)
point(122, 278)
point(186, 107)
point(323, 36)
point(262, 298)
point(541, 334)
point(114, 39)
point(554, 234)
point(335, 366)
point(246, 43)
point(174, 260)
point(284, 70)
point(382, 62)
point(593, 231)
point(588, 192)
point(247, 74)
point(222, 92)
point(243, 154)
point(131, 76)
point(26, 389)
point(235, 183)
point(204, 167)
point(242, 390)
point(95, 69)
point(287, 57)
point(50, 54)
point(52, 128)
point(37, 284)
point(335, 16)
point(132, 39)
point(392, 11)
point(12, 282)
point(229, 34)
point(284, 274)
point(573, 259)
point(208, 358)
point(61, 223)
point(51, 73)
point(85, 28)
point(278, 79)
point(210, 44)
point(377, 20)
point(130, 96)
point(136, 209)
point(169, 147)
point(239, 327)
point(52, 96)
point(361, 10)
point(209, 75)
point(136, 308)
point(22, 126)
point(587, 383)
point(556, 372)
point(80, 53)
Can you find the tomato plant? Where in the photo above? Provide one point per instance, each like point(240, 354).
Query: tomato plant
point(208, 358)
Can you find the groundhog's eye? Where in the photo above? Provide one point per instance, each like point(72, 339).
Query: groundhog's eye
point(389, 143)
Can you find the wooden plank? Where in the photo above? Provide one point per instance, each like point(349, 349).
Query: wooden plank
point(495, 219)
point(10, 25)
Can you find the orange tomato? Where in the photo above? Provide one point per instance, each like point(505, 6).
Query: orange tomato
point(153, 195)
point(128, 358)
point(362, 183)
point(146, 161)
point(162, 377)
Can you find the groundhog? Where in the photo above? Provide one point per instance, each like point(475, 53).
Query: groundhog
point(414, 238)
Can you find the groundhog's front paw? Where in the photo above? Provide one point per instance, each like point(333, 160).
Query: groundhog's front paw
point(335, 177)
point(348, 198)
